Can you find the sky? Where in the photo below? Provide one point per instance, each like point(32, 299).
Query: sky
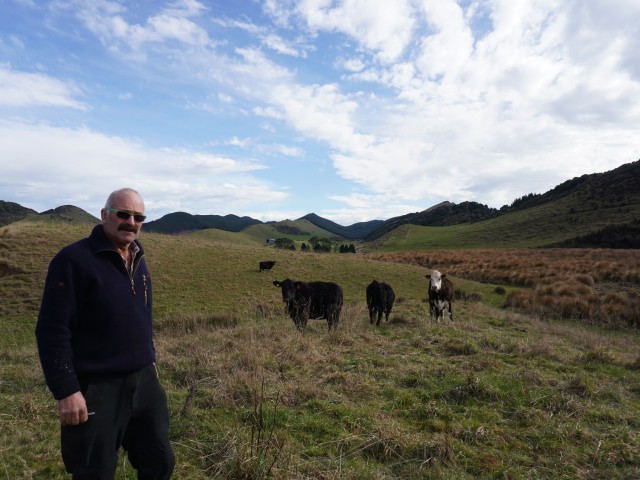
point(355, 110)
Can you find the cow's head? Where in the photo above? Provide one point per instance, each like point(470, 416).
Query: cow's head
point(435, 280)
point(293, 295)
point(288, 288)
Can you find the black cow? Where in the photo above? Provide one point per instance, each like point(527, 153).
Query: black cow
point(313, 300)
point(380, 298)
point(267, 265)
point(440, 292)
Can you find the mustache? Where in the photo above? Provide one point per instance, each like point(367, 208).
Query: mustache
point(128, 228)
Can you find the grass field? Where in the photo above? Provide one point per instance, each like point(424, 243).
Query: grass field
point(494, 394)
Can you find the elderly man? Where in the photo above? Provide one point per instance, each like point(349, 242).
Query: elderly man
point(95, 341)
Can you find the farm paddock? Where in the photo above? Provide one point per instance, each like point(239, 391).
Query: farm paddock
point(593, 285)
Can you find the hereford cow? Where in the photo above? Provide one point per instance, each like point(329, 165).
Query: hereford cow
point(380, 299)
point(440, 292)
point(313, 300)
point(266, 265)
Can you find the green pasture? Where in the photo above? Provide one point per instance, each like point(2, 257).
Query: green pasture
point(496, 394)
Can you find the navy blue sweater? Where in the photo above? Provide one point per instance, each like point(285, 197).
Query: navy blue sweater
point(95, 318)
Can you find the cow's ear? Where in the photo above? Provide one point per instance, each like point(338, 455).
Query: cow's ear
point(276, 283)
point(427, 276)
point(298, 285)
point(443, 275)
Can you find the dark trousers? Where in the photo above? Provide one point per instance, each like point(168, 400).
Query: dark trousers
point(124, 410)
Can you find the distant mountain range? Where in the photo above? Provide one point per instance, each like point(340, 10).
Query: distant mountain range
point(615, 191)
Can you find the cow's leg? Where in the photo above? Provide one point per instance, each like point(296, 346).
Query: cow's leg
point(332, 321)
point(450, 312)
point(371, 315)
point(335, 316)
point(379, 317)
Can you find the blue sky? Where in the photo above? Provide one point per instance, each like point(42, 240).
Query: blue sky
point(351, 109)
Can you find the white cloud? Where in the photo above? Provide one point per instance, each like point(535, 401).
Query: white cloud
point(477, 109)
point(81, 160)
point(24, 89)
point(240, 142)
point(277, 43)
point(384, 28)
point(107, 21)
point(351, 64)
point(416, 101)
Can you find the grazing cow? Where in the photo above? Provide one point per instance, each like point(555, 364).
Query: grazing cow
point(313, 300)
point(380, 298)
point(440, 292)
point(267, 265)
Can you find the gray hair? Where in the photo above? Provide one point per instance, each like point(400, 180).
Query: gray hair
point(115, 193)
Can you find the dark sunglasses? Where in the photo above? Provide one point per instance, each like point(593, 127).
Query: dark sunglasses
point(124, 215)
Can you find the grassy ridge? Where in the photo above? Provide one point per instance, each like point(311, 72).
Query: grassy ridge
point(534, 227)
point(493, 395)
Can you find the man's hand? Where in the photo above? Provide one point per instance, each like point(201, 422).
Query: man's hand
point(73, 409)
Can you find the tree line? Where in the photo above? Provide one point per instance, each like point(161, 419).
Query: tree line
point(316, 244)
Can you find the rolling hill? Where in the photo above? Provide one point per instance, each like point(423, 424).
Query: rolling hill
point(180, 222)
point(69, 213)
point(12, 212)
point(583, 208)
point(600, 209)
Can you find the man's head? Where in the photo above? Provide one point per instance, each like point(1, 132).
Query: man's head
point(122, 216)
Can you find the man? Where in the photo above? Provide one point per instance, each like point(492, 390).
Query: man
point(94, 334)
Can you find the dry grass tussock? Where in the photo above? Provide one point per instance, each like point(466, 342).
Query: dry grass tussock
point(592, 285)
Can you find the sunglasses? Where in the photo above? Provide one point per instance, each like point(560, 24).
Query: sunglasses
point(124, 215)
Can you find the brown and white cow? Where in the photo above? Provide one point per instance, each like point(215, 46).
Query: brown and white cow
point(440, 293)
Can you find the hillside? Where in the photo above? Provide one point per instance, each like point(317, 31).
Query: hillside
point(599, 209)
point(311, 224)
point(443, 214)
point(554, 223)
point(12, 212)
point(180, 222)
point(618, 186)
point(579, 212)
point(69, 213)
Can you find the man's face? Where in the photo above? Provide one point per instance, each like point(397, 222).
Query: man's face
point(120, 231)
